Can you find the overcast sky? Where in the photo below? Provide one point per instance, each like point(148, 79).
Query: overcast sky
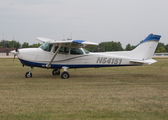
point(125, 21)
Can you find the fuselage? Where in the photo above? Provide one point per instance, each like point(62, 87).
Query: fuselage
point(72, 58)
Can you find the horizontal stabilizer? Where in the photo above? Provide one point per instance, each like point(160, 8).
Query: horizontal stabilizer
point(149, 61)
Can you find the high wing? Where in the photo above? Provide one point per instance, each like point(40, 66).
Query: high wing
point(74, 43)
point(42, 39)
point(68, 43)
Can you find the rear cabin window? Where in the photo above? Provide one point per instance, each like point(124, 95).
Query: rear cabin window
point(46, 47)
point(76, 51)
point(87, 52)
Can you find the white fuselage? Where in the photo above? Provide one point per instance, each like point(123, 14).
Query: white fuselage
point(70, 54)
point(37, 57)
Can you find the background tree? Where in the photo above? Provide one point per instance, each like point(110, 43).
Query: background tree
point(161, 49)
point(25, 45)
point(9, 44)
point(166, 47)
point(128, 47)
point(160, 45)
point(35, 45)
point(106, 46)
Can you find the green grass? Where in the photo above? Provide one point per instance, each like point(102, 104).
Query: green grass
point(106, 93)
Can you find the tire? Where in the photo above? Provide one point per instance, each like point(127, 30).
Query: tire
point(56, 72)
point(65, 75)
point(27, 75)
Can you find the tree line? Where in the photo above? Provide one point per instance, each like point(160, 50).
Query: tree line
point(116, 46)
point(13, 44)
point(102, 47)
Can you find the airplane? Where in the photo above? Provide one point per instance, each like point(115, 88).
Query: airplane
point(69, 54)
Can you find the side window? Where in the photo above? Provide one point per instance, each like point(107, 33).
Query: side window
point(64, 50)
point(76, 51)
point(87, 52)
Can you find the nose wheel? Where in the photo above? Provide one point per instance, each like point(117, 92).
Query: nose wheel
point(28, 74)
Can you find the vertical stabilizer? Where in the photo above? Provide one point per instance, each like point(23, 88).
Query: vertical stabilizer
point(146, 48)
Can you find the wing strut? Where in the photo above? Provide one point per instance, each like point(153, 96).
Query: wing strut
point(48, 65)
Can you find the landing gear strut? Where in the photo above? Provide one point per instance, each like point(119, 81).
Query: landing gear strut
point(28, 74)
point(56, 72)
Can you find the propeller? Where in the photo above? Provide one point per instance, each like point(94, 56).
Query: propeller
point(17, 45)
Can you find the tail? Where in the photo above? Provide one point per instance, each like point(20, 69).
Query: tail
point(144, 51)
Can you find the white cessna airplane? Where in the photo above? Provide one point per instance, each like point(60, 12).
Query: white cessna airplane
point(58, 55)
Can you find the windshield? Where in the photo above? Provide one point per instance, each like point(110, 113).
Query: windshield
point(46, 47)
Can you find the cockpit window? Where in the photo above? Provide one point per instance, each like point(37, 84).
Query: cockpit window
point(76, 51)
point(46, 47)
point(87, 52)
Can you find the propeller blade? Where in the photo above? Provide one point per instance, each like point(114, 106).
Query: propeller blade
point(17, 47)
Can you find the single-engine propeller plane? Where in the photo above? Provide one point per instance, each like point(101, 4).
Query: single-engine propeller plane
point(58, 55)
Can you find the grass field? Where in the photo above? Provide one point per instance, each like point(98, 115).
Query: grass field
point(129, 93)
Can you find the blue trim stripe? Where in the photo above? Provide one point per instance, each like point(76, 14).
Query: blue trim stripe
point(42, 65)
point(151, 37)
point(78, 41)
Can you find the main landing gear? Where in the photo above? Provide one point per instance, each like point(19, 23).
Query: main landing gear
point(64, 74)
point(56, 72)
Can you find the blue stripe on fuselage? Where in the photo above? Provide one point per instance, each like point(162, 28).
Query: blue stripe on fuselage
point(42, 65)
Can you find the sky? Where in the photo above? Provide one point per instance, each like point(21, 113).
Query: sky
point(124, 21)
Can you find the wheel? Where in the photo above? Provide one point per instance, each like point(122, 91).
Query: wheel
point(28, 75)
point(56, 72)
point(65, 75)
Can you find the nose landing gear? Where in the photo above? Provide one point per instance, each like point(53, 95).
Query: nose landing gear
point(28, 74)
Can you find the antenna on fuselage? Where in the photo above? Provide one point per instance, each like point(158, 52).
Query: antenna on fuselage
point(70, 38)
point(63, 38)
